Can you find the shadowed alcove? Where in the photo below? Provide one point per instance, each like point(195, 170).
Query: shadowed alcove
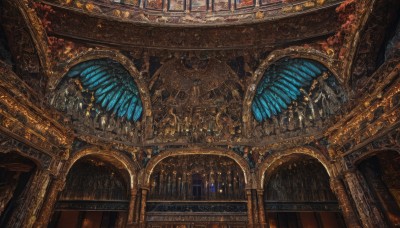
point(185, 188)
point(95, 195)
point(297, 194)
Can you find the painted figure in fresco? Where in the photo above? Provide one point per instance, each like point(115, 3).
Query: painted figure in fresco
point(221, 5)
point(154, 4)
point(244, 3)
point(199, 5)
point(176, 5)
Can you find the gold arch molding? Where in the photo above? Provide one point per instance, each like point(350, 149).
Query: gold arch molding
point(39, 164)
point(185, 152)
point(294, 52)
point(115, 158)
point(267, 167)
point(36, 31)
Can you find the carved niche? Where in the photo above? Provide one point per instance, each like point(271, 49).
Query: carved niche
point(299, 184)
point(197, 177)
point(92, 184)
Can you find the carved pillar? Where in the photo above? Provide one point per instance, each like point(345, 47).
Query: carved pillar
point(132, 203)
point(30, 201)
point(249, 207)
point(381, 192)
point(349, 215)
point(142, 221)
point(369, 214)
point(45, 214)
point(254, 207)
point(261, 211)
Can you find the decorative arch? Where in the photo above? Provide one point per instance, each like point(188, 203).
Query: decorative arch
point(371, 153)
point(388, 142)
point(118, 57)
point(277, 157)
point(227, 153)
point(115, 158)
point(293, 52)
point(363, 36)
point(37, 32)
point(39, 163)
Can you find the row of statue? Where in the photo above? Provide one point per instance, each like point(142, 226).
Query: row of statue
point(79, 105)
point(197, 179)
point(90, 181)
point(200, 112)
point(319, 103)
point(205, 124)
point(303, 181)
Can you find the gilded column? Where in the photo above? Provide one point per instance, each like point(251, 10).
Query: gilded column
point(143, 208)
point(261, 211)
point(132, 203)
point(249, 207)
point(349, 215)
point(28, 206)
point(381, 192)
point(45, 214)
point(369, 214)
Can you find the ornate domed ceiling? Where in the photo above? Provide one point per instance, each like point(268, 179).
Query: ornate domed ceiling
point(124, 26)
point(164, 74)
point(194, 11)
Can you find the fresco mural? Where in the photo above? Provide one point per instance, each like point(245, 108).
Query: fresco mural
point(176, 5)
point(198, 5)
point(243, 3)
point(154, 4)
point(220, 5)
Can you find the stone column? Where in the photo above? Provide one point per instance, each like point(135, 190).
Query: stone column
point(132, 203)
point(142, 220)
point(370, 215)
point(51, 198)
point(30, 201)
point(261, 211)
point(349, 215)
point(249, 207)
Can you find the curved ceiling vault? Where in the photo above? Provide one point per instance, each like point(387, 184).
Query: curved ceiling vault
point(299, 88)
point(111, 87)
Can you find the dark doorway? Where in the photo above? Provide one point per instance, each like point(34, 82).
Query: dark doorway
point(95, 196)
point(196, 186)
point(85, 219)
